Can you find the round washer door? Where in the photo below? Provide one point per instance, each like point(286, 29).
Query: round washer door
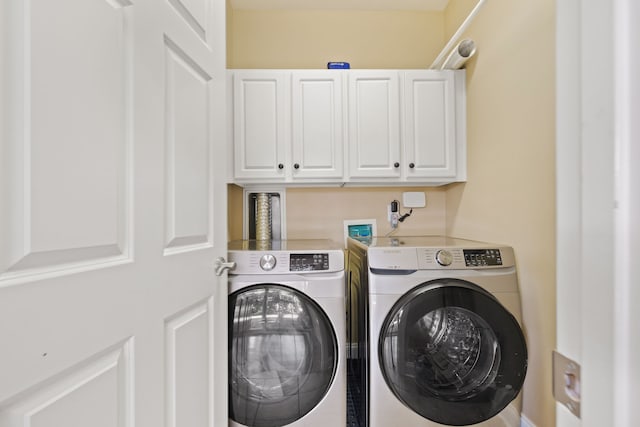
point(283, 355)
point(452, 353)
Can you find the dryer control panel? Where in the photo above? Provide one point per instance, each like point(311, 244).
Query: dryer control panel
point(443, 258)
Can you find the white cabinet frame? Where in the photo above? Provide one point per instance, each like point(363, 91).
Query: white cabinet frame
point(348, 127)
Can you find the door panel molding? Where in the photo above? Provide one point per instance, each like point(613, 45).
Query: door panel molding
point(194, 13)
point(99, 388)
point(187, 152)
point(188, 379)
point(68, 172)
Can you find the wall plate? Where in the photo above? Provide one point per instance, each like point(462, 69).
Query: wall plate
point(359, 228)
point(566, 382)
point(414, 199)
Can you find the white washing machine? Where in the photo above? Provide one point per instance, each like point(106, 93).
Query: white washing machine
point(287, 334)
point(441, 335)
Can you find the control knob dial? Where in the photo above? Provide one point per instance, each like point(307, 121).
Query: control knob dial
point(267, 262)
point(444, 257)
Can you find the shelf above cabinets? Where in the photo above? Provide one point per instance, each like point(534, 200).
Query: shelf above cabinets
point(351, 127)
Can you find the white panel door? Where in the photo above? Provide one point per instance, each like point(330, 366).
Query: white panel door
point(429, 125)
point(316, 122)
point(112, 212)
point(598, 208)
point(374, 124)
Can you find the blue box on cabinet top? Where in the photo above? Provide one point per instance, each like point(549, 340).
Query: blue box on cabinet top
point(338, 65)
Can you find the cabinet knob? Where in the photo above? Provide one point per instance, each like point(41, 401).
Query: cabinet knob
point(412, 165)
point(280, 166)
point(396, 165)
point(296, 166)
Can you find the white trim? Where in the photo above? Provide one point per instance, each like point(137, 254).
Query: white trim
point(282, 192)
point(627, 249)
point(525, 422)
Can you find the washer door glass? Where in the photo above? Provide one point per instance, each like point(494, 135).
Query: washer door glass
point(282, 355)
point(452, 353)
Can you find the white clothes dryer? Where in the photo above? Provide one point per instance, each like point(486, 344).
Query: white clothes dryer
point(442, 332)
point(287, 334)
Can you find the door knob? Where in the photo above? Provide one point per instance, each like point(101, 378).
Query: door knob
point(222, 265)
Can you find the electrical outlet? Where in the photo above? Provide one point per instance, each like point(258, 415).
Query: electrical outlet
point(393, 213)
point(394, 220)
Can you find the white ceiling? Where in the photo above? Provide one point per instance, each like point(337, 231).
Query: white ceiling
point(433, 5)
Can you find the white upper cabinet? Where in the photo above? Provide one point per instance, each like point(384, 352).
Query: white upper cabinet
point(260, 136)
point(357, 127)
point(287, 126)
point(316, 123)
point(429, 125)
point(374, 124)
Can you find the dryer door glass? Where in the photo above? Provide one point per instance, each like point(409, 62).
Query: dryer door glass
point(282, 355)
point(452, 353)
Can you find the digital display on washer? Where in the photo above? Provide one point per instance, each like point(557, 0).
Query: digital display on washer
point(482, 257)
point(308, 262)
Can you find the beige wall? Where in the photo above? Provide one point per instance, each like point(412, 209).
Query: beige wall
point(509, 196)
point(234, 204)
point(310, 39)
point(320, 212)
point(510, 193)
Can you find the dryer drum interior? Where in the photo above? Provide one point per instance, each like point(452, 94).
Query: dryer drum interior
point(452, 353)
point(457, 353)
point(282, 355)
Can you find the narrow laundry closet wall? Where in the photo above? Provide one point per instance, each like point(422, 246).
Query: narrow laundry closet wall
point(509, 196)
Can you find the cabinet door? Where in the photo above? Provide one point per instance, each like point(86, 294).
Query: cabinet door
point(374, 124)
point(317, 132)
point(429, 125)
point(259, 134)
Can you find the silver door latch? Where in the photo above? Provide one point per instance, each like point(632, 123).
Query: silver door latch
point(566, 382)
point(222, 265)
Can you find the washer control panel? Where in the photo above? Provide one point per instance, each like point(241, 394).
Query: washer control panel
point(482, 257)
point(309, 262)
point(286, 262)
